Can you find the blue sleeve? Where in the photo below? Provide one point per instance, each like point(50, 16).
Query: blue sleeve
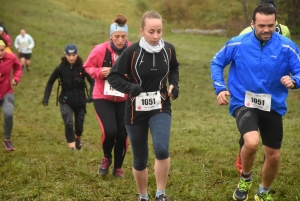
point(219, 62)
point(294, 63)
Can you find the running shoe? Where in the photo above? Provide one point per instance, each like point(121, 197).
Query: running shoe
point(103, 169)
point(78, 143)
point(72, 148)
point(142, 199)
point(162, 197)
point(263, 197)
point(238, 163)
point(241, 193)
point(118, 172)
point(8, 145)
point(27, 68)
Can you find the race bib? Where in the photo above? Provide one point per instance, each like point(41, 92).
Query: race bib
point(108, 90)
point(147, 101)
point(259, 101)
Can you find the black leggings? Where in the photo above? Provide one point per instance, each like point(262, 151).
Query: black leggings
point(67, 115)
point(114, 136)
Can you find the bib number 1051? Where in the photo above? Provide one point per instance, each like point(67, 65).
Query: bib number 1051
point(259, 101)
point(147, 101)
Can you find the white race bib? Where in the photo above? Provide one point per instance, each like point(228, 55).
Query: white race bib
point(259, 101)
point(147, 101)
point(108, 90)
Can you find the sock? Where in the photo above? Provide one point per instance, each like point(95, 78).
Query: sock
point(263, 189)
point(159, 192)
point(246, 176)
point(145, 196)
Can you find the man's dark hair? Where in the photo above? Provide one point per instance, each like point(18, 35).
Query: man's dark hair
point(271, 2)
point(265, 9)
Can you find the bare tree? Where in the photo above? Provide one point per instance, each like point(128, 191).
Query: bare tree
point(245, 6)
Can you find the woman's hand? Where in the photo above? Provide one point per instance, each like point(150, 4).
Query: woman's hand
point(173, 92)
point(105, 71)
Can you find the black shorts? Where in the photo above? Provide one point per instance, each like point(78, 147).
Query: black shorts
point(26, 56)
point(269, 125)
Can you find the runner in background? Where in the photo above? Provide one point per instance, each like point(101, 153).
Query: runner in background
point(9, 64)
point(72, 99)
point(6, 36)
point(24, 43)
point(109, 104)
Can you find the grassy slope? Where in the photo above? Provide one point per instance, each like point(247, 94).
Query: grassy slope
point(204, 136)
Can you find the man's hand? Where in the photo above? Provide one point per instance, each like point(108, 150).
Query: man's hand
point(287, 81)
point(221, 98)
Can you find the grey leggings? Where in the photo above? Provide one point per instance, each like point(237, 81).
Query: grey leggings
point(7, 105)
point(67, 113)
point(160, 126)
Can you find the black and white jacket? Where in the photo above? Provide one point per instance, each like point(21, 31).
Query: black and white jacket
point(151, 71)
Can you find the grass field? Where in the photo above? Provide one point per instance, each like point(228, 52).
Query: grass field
point(204, 139)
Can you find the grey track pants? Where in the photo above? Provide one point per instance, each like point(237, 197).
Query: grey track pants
point(67, 113)
point(7, 106)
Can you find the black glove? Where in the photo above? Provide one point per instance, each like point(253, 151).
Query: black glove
point(135, 90)
point(89, 100)
point(175, 92)
point(45, 102)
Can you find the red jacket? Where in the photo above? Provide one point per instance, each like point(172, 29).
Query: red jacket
point(93, 66)
point(9, 63)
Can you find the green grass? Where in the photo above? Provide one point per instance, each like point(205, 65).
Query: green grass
point(204, 139)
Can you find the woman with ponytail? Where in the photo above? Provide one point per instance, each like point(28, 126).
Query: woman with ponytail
point(109, 104)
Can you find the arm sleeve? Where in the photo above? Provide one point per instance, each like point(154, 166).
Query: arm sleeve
point(50, 83)
point(92, 83)
point(16, 43)
point(93, 64)
point(219, 62)
point(294, 61)
point(174, 69)
point(31, 41)
point(116, 76)
point(17, 70)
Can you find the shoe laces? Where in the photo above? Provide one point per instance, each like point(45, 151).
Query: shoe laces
point(265, 196)
point(244, 185)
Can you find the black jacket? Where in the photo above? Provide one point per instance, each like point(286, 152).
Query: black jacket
point(150, 71)
point(72, 80)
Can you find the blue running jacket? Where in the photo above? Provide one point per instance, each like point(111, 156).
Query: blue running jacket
point(256, 68)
